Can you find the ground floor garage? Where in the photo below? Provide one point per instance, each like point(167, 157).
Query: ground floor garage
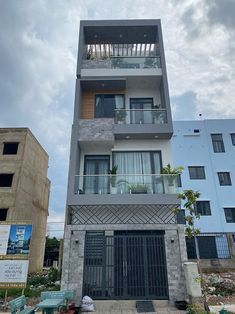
point(116, 262)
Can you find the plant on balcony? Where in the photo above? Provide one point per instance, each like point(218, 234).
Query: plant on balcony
point(172, 173)
point(112, 179)
point(88, 54)
point(120, 115)
point(138, 188)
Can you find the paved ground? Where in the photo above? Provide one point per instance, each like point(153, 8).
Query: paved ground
point(129, 307)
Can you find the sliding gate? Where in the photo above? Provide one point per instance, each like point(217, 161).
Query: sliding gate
point(127, 265)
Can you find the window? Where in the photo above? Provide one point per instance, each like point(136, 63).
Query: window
point(229, 214)
point(180, 217)
point(203, 208)
point(224, 178)
point(218, 144)
point(233, 138)
point(106, 103)
point(3, 214)
point(6, 179)
point(197, 172)
point(10, 148)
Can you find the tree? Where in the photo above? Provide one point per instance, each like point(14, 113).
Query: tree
point(189, 198)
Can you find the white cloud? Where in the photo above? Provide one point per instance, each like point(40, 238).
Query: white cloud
point(38, 65)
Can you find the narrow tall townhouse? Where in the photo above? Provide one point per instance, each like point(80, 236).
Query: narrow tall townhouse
point(122, 240)
point(24, 187)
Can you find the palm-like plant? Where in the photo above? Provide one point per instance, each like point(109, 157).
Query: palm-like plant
point(172, 173)
point(113, 175)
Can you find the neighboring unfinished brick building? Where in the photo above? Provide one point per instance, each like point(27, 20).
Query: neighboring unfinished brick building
point(24, 186)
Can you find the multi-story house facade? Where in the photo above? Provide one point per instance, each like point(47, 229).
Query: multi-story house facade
point(24, 187)
point(121, 236)
point(206, 150)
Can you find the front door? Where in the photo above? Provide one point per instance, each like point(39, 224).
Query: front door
point(95, 175)
point(130, 265)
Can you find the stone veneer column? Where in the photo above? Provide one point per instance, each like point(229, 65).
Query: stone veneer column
point(73, 261)
point(175, 257)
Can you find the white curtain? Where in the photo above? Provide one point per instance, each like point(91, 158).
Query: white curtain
point(137, 168)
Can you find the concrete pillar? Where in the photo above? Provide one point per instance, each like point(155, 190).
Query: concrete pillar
point(175, 253)
point(73, 261)
point(231, 244)
point(193, 284)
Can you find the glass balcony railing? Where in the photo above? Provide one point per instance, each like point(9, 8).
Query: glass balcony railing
point(126, 184)
point(123, 63)
point(140, 116)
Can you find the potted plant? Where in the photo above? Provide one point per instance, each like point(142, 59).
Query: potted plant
point(171, 177)
point(138, 188)
point(120, 115)
point(112, 179)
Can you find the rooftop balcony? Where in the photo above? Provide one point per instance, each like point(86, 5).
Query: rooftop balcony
point(122, 63)
point(122, 58)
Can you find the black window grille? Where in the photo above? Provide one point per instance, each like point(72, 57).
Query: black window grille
point(218, 143)
point(233, 138)
point(203, 208)
point(229, 214)
point(211, 246)
point(224, 178)
point(196, 172)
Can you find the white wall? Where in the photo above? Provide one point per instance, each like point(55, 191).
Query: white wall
point(142, 88)
point(192, 149)
point(146, 145)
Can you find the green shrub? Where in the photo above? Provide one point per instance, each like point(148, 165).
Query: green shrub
point(53, 274)
point(196, 309)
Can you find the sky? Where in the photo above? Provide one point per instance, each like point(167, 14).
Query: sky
point(38, 47)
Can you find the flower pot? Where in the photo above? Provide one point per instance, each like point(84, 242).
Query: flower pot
point(113, 190)
point(171, 189)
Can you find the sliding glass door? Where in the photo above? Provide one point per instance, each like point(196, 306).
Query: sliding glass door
point(95, 170)
point(141, 110)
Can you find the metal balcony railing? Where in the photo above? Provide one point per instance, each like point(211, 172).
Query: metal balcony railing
point(123, 63)
point(140, 116)
point(126, 184)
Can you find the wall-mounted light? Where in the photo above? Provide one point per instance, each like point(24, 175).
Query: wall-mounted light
point(172, 240)
point(77, 241)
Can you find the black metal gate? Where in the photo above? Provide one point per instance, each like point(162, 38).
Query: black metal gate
point(125, 266)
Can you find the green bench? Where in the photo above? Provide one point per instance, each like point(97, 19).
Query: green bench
point(18, 306)
point(65, 295)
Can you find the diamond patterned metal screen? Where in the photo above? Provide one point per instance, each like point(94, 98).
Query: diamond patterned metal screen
point(121, 214)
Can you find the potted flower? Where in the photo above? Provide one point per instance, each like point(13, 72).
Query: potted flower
point(171, 177)
point(112, 179)
point(138, 188)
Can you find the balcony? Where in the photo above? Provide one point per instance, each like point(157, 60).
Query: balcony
point(126, 184)
point(123, 63)
point(140, 116)
point(141, 124)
